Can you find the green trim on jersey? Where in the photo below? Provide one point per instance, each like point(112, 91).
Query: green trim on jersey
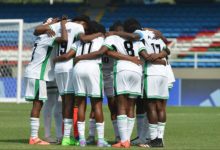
point(129, 93)
point(101, 80)
point(108, 46)
point(114, 77)
point(36, 87)
point(67, 92)
point(141, 49)
point(44, 64)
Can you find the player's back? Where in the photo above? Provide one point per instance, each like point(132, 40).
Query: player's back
point(154, 46)
point(41, 66)
point(73, 30)
point(86, 48)
point(125, 47)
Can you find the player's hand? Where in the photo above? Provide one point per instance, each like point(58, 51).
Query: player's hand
point(136, 60)
point(75, 60)
point(164, 62)
point(64, 17)
point(157, 34)
point(55, 20)
point(154, 57)
point(50, 33)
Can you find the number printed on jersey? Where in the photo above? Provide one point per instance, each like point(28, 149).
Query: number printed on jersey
point(62, 48)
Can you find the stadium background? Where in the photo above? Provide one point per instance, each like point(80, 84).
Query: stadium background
point(191, 26)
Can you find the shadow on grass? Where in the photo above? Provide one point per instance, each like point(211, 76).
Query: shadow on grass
point(15, 141)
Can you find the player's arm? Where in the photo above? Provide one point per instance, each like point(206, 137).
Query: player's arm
point(163, 54)
point(91, 55)
point(147, 57)
point(126, 35)
point(87, 38)
point(64, 36)
point(120, 56)
point(158, 34)
point(65, 57)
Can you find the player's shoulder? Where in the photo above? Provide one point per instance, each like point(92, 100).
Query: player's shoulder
point(73, 25)
point(114, 38)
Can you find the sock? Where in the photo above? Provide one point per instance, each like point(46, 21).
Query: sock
point(115, 126)
point(58, 119)
point(47, 114)
point(92, 126)
point(160, 129)
point(140, 123)
point(146, 128)
point(100, 130)
point(81, 129)
point(35, 124)
point(153, 131)
point(130, 126)
point(122, 127)
point(67, 127)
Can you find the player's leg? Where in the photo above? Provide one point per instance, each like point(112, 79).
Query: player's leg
point(47, 115)
point(92, 128)
point(113, 113)
point(81, 119)
point(35, 91)
point(161, 110)
point(130, 115)
point(58, 118)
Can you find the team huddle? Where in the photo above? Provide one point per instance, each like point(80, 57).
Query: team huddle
point(128, 64)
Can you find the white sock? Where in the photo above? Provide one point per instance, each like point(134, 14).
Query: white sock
point(47, 113)
point(35, 124)
point(115, 126)
point(92, 126)
point(67, 127)
point(122, 127)
point(58, 119)
point(160, 129)
point(140, 123)
point(81, 130)
point(130, 126)
point(153, 131)
point(100, 130)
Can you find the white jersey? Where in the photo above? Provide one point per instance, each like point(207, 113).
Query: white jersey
point(153, 45)
point(86, 48)
point(73, 30)
point(127, 48)
point(107, 65)
point(41, 65)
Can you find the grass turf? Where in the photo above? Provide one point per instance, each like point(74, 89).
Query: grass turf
point(187, 128)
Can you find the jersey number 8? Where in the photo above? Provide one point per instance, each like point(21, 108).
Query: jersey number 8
point(129, 48)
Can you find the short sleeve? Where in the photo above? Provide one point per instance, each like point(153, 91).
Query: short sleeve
point(140, 33)
point(55, 27)
point(109, 42)
point(139, 46)
point(80, 30)
point(75, 46)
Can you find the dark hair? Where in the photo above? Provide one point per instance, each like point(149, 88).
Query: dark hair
point(131, 24)
point(84, 18)
point(116, 24)
point(95, 27)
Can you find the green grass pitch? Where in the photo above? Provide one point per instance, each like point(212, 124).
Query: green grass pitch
point(187, 128)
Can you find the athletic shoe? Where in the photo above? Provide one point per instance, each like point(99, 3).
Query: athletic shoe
point(153, 143)
point(59, 141)
point(90, 140)
point(82, 143)
point(37, 141)
point(69, 141)
point(103, 143)
point(125, 144)
point(50, 140)
point(137, 141)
